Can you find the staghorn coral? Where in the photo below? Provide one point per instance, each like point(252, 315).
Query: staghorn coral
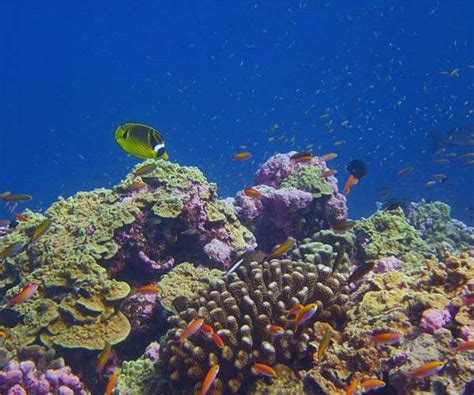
point(239, 307)
point(434, 224)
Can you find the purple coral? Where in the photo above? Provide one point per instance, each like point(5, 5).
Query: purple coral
point(219, 251)
point(336, 208)
point(434, 319)
point(275, 170)
point(26, 377)
point(386, 264)
point(141, 310)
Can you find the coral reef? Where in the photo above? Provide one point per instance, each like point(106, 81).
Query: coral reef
point(387, 233)
point(189, 279)
point(297, 200)
point(130, 233)
point(35, 373)
point(434, 224)
point(240, 307)
point(395, 301)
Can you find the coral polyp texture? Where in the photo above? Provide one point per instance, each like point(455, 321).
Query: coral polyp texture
point(240, 308)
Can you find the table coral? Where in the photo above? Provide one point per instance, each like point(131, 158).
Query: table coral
point(239, 307)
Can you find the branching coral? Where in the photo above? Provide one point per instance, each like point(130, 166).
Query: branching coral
point(240, 307)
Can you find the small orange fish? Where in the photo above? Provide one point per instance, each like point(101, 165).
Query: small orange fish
point(372, 384)
point(328, 156)
point(244, 155)
point(387, 337)
point(26, 293)
point(282, 248)
point(112, 382)
point(329, 173)
point(427, 369)
point(148, 289)
point(207, 329)
point(275, 330)
point(252, 192)
point(104, 357)
point(209, 379)
point(294, 310)
point(304, 156)
point(350, 389)
point(41, 229)
point(264, 370)
point(3, 335)
point(21, 217)
point(191, 329)
point(464, 346)
point(305, 314)
point(351, 181)
point(218, 341)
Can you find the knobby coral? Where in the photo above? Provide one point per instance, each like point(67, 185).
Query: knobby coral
point(240, 307)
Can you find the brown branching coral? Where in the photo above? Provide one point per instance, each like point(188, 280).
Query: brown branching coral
point(240, 307)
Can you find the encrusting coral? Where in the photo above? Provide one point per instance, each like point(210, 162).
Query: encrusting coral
point(137, 232)
point(240, 307)
point(296, 200)
point(434, 224)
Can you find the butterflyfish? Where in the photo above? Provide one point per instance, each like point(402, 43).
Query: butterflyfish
point(141, 140)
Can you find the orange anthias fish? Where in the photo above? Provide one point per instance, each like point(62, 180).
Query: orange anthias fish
point(294, 310)
point(218, 341)
point(26, 293)
point(275, 330)
point(244, 155)
point(104, 357)
point(41, 229)
point(304, 156)
point(305, 314)
point(351, 181)
point(350, 389)
point(191, 329)
point(427, 369)
point(3, 335)
point(136, 186)
point(21, 217)
point(372, 384)
point(209, 379)
point(264, 370)
point(328, 156)
point(112, 382)
point(464, 346)
point(281, 249)
point(207, 329)
point(387, 337)
point(148, 289)
point(252, 192)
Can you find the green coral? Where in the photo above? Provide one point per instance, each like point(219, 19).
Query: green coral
point(180, 284)
point(138, 377)
point(309, 179)
point(387, 233)
point(76, 300)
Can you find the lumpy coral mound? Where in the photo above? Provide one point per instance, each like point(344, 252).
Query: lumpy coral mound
point(240, 307)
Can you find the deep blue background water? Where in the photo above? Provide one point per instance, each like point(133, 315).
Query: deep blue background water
point(216, 75)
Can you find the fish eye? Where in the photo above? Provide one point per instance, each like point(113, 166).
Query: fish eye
point(160, 151)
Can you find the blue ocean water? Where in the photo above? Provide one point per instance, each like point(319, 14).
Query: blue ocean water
point(373, 76)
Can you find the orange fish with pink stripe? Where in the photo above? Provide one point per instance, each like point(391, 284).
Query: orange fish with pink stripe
point(209, 379)
point(194, 326)
point(26, 293)
point(264, 370)
point(427, 369)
